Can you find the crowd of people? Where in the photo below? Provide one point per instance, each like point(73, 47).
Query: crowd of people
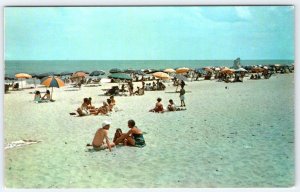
point(87, 108)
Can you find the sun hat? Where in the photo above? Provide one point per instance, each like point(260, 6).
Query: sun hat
point(106, 122)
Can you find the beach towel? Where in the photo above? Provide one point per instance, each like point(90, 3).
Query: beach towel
point(20, 143)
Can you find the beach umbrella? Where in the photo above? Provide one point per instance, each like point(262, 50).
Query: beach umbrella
point(139, 72)
point(115, 70)
point(180, 77)
point(65, 73)
point(169, 70)
point(129, 71)
point(42, 75)
point(227, 71)
point(52, 82)
point(207, 69)
point(161, 75)
point(182, 70)
point(257, 70)
point(199, 70)
point(23, 76)
point(120, 76)
point(79, 74)
point(97, 73)
point(240, 70)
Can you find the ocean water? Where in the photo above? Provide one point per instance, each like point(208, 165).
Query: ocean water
point(38, 66)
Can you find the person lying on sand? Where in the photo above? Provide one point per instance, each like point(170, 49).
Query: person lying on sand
point(158, 107)
point(100, 135)
point(103, 110)
point(134, 137)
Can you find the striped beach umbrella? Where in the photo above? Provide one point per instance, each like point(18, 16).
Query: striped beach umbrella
point(52, 82)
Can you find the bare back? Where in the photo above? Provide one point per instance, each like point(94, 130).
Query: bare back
point(100, 135)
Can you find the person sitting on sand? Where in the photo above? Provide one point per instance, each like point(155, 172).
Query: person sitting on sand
point(89, 103)
point(83, 110)
point(110, 105)
point(47, 96)
point(158, 107)
point(171, 106)
point(134, 137)
point(118, 134)
point(112, 99)
point(37, 97)
point(100, 135)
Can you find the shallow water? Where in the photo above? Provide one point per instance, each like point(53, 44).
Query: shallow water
point(242, 136)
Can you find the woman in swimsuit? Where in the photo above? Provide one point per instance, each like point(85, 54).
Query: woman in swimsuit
point(158, 107)
point(134, 137)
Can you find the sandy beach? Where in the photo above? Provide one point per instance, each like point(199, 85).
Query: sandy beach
point(242, 136)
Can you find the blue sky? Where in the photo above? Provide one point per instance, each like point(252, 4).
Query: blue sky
point(149, 33)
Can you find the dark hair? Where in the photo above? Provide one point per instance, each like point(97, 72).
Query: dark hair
point(90, 98)
point(108, 101)
point(131, 123)
point(111, 96)
point(48, 92)
point(159, 99)
point(37, 92)
point(85, 100)
point(171, 101)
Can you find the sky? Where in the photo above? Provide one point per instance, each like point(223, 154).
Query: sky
point(149, 33)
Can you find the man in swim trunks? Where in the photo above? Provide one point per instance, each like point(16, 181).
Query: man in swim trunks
point(100, 135)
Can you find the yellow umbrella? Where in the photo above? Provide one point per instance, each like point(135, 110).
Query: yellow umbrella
point(182, 70)
point(169, 71)
point(23, 76)
point(161, 75)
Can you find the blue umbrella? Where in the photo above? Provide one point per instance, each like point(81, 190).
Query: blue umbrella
point(97, 73)
point(42, 75)
point(120, 76)
point(115, 70)
point(65, 73)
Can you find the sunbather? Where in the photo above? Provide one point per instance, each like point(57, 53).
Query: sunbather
point(158, 107)
point(47, 96)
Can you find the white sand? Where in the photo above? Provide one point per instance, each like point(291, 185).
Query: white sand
point(237, 137)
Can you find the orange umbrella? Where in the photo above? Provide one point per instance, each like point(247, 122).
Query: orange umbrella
point(169, 71)
point(23, 76)
point(182, 70)
point(79, 74)
point(161, 75)
point(257, 70)
point(53, 82)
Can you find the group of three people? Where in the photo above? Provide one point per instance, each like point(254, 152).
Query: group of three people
point(87, 108)
point(134, 137)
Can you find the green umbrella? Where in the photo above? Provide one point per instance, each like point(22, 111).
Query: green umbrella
point(120, 76)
